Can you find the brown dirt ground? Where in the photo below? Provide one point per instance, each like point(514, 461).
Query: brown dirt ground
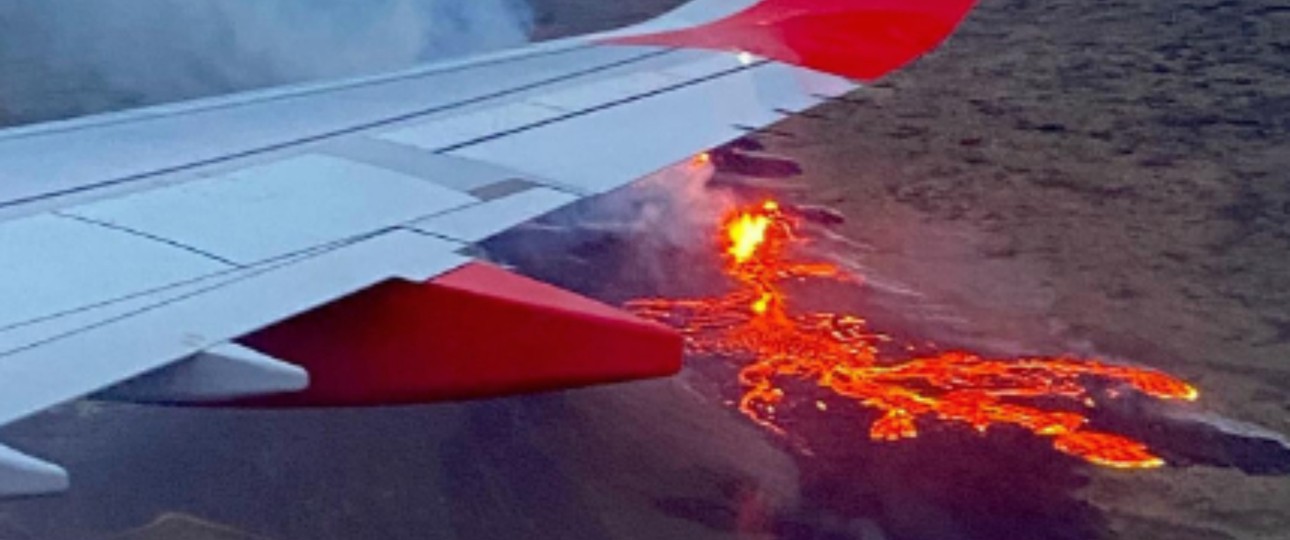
point(1113, 175)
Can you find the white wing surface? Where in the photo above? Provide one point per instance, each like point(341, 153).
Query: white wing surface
point(134, 242)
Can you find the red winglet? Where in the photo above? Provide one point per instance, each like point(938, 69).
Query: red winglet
point(861, 39)
point(474, 332)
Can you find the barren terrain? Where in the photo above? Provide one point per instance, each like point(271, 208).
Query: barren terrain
point(1103, 177)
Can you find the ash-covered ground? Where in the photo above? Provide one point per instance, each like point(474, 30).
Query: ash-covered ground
point(1107, 177)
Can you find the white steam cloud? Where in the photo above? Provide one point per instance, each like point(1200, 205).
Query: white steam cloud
point(674, 206)
point(61, 58)
point(1231, 426)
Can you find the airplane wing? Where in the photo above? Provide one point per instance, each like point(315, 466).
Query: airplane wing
point(309, 245)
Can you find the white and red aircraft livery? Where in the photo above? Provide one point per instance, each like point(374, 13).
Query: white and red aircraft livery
point(306, 246)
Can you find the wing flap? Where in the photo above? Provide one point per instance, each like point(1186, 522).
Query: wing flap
point(270, 210)
point(479, 124)
point(611, 147)
point(92, 358)
point(480, 221)
point(53, 264)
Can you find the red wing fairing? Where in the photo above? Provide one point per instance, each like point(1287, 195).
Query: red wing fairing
point(861, 39)
point(473, 332)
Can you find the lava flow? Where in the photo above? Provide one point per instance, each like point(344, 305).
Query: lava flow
point(840, 353)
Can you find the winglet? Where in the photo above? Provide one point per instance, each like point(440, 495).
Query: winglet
point(22, 475)
point(860, 39)
point(476, 331)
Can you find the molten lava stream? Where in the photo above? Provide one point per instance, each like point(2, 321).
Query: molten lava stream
point(842, 354)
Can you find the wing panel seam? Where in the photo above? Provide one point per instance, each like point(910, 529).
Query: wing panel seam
point(257, 97)
point(250, 270)
point(147, 236)
point(323, 136)
point(283, 262)
point(601, 107)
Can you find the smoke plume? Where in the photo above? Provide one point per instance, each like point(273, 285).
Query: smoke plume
point(64, 58)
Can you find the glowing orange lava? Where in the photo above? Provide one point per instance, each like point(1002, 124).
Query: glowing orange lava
point(841, 353)
point(747, 233)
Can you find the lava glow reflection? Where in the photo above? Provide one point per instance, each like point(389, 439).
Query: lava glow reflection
point(840, 352)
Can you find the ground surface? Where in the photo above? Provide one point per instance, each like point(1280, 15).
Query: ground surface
point(1120, 177)
point(1112, 176)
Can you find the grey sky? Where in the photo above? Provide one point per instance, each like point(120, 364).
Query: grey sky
point(64, 58)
